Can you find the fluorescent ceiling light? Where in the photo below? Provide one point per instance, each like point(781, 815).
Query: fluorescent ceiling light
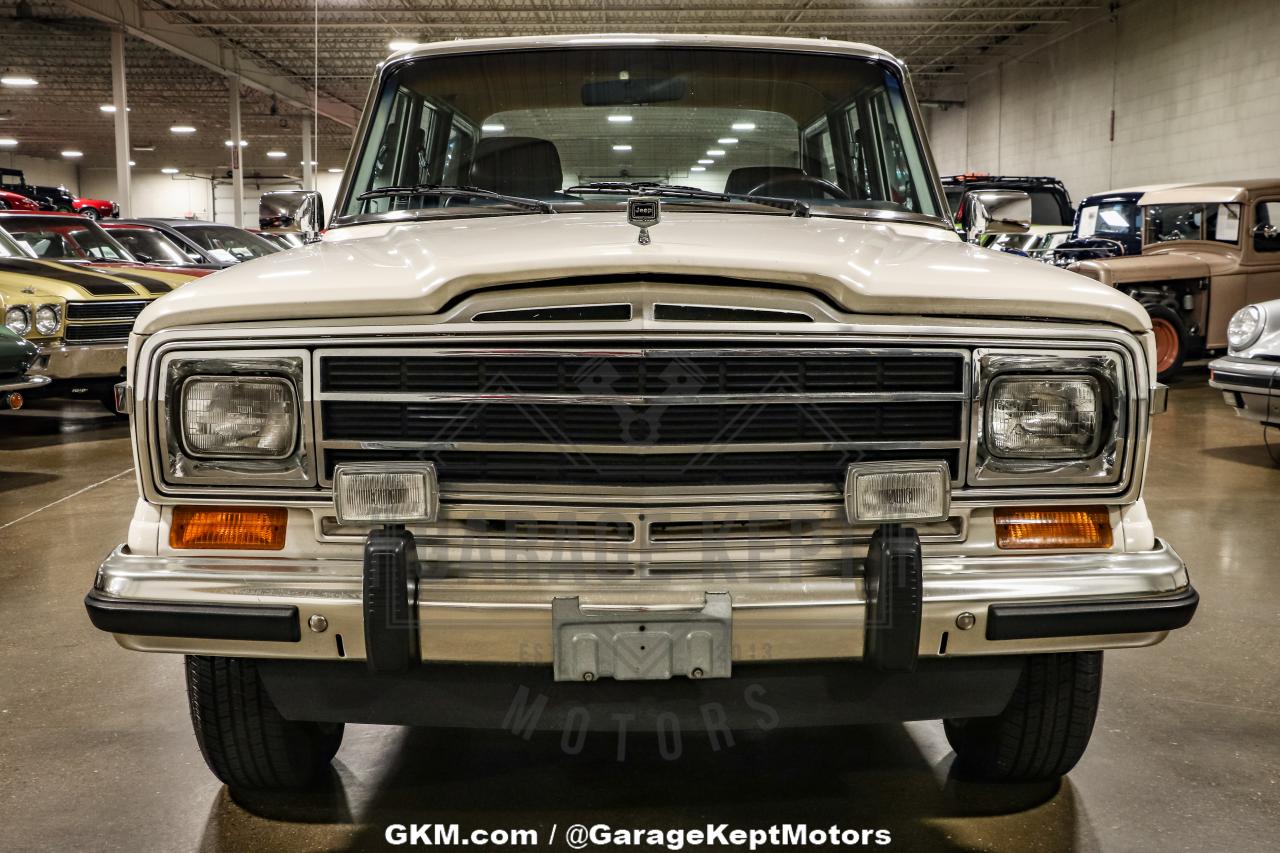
point(169, 170)
point(131, 163)
point(334, 171)
point(706, 162)
point(397, 46)
point(18, 81)
point(276, 155)
point(715, 152)
point(622, 148)
point(8, 142)
point(108, 108)
point(304, 162)
point(182, 128)
point(243, 143)
point(697, 168)
point(728, 140)
point(743, 125)
point(72, 154)
point(144, 148)
point(620, 119)
point(493, 128)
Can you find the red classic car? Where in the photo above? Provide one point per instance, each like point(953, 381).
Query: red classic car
point(95, 208)
point(13, 201)
point(69, 238)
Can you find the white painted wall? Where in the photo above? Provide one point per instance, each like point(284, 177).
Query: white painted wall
point(154, 194)
point(1193, 85)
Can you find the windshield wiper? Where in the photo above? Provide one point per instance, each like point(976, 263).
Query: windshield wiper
point(653, 188)
point(449, 191)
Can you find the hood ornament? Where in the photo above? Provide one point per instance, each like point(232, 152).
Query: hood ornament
point(644, 212)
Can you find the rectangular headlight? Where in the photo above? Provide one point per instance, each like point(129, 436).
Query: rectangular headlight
point(1044, 417)
point(251, 417)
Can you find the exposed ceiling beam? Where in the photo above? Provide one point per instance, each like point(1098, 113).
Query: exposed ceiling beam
point(213, 53)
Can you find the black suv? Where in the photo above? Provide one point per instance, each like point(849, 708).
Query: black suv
point(49, 198)
point(1050, 203)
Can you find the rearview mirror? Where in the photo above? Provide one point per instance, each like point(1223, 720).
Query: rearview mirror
point(301, 211)
point(1266, 238)
point(644, 90)
point(994, 212)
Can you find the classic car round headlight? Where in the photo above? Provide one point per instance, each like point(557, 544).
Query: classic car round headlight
point(48, 319)
point(1245, 327)
point(18, 319)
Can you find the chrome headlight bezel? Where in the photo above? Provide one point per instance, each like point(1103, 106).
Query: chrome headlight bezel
point(17, 319)
point(181, 465)
point(1249, 313)
point(1102, 464)
point(56, 311)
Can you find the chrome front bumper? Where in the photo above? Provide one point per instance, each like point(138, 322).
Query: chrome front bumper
point(1251, 386)
point(24, 383)
point(67, 362)
point(482, 620)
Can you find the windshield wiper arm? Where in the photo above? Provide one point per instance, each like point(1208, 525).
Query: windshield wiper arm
point(795, 205)
point(459, 191)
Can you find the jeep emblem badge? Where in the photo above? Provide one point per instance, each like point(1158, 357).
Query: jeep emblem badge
point(644, 213)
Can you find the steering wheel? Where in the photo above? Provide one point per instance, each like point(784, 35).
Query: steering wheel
point(785, 186)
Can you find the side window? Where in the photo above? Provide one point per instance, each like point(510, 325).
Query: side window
point(461, 145)
point(1266, 227)
point(894, 153)
point(862, 161)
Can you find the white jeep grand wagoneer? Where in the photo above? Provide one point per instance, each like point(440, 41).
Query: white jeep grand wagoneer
point(640, 375)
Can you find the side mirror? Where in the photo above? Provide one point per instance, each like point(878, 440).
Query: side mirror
point(292, 210)
point(994, 212)
point(1266, 238)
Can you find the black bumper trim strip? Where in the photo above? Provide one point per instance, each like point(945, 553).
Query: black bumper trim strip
point(1091, 618)
point(271, 622)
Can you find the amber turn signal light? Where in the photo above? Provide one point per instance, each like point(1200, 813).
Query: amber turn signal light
point(230, 527)
point(1022, 528)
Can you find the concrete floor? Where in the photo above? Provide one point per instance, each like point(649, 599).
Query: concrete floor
point(96, 751)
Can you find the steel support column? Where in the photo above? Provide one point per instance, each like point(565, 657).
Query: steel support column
point(308, 171)
point(120, 98)
point(237, 157)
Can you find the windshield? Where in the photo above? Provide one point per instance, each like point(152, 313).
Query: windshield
point(227, 244)
point(1114, 220)
point(150, 246)
point(832, 131)
point(1214, 222)
point(72, 238)
point(11, 248)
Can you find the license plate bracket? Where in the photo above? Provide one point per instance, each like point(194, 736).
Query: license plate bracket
point(642, 643)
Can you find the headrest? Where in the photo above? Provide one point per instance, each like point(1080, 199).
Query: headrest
point(517, 165)
point(747, 178)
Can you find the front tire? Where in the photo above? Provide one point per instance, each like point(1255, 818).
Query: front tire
point(90, 213)
point(243, 738)
point(1043, 731)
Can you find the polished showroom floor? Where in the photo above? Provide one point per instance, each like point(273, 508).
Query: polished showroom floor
point(96, 752)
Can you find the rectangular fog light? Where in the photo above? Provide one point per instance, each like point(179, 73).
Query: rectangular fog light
point(881, 492)
point(385, 493)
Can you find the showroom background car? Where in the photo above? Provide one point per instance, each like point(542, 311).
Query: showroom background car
point(1249, 375)
point(213, 243)
point(1208, 250)
point(16, 356)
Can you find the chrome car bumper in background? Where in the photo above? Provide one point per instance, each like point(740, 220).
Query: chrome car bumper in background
point(63, 361)
point(1251, 386)
point(24, 383)
point(312, 609)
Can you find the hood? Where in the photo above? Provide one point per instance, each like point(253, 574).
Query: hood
point(1161, 266)
point(68, 281)
point(16, 354)
point(404, 269)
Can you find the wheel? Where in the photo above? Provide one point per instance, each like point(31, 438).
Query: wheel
point(1171, 339)
point(90, 213)
point(243, 738)
point(1043, 731)
point(65, 208)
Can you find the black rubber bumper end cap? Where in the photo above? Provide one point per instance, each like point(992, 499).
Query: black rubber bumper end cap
point(1092, 618)
point(895, 599)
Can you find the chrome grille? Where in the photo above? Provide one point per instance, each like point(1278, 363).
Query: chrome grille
point(642, 417)
point(115, 309)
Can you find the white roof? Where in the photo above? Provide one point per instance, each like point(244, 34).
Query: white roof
point(1194, 194)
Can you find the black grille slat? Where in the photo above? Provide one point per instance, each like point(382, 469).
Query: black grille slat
point(123, 309)
point(647, 425)
point(650, 375)
point(98, 333)
point(676, 469)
